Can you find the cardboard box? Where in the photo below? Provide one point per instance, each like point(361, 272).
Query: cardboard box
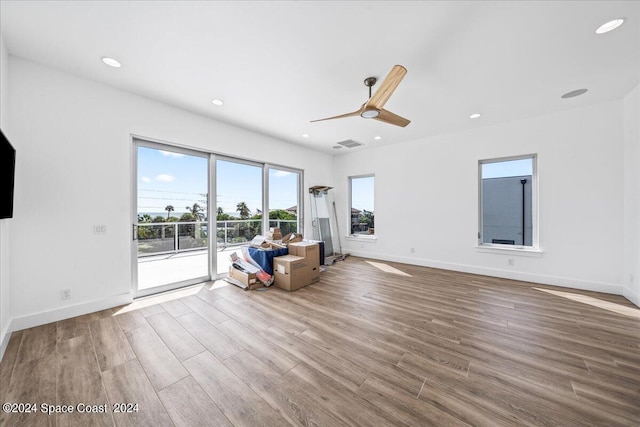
point(274, 234)
point(248, 279)
point(292, 238)
point(293, 272)
point(308, 250)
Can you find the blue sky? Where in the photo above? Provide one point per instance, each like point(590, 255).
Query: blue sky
point(169, 178)
point(362, 190)
point(521, 167)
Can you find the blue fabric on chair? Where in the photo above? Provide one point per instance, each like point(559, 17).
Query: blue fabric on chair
point(264, 258)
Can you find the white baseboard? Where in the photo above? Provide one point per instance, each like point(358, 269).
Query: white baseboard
point(4, 341)
point(49, 316)
point(631, 296)
point(585, 285)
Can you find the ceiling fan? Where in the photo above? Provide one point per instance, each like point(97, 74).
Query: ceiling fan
point(372, 109)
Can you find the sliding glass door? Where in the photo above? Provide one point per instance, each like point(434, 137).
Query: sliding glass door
point(171, 232)
point(181, 235)
point(239, 207)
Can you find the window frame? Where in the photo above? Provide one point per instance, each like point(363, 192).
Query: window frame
point(300, 204)
point(535, 230)
point(350, 206)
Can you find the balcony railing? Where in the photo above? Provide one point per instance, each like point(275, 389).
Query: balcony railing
point(173, 237)
point(241, 231)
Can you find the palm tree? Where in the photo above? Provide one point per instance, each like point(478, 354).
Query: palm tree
point(196, 211)
point(145, 218)
point(169, 209)
point(243, 209)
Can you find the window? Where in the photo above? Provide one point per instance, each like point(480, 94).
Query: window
point(507, 202)
point(361, 190)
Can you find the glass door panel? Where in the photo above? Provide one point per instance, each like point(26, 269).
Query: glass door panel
point(172, 187)
point(239, 204)
point(284, 195)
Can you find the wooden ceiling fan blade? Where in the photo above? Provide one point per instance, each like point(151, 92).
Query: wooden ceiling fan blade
point(387, 87)
point(391, 118)
point(355, 113)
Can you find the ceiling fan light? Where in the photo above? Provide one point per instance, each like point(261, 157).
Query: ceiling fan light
point(370, 114)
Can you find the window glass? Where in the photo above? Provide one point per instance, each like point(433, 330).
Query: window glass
point(283, 200)
point(362, 205)
point(507, 207)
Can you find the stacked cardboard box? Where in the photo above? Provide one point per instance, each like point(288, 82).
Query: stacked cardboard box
point(310, 251)
point(274, 234)
point(298, 269)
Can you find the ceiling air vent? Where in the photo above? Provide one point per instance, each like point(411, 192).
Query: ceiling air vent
point(350, 143)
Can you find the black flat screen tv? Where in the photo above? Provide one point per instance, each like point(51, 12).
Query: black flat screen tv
point(7, 176)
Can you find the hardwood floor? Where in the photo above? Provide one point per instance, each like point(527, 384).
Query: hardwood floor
point(406, 346)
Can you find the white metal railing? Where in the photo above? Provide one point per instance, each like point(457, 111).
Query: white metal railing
point(171, 237)
point(155, 238)
point(241, 231)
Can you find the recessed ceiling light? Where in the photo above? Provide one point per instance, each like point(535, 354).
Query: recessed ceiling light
point(337, 147)
point(474, 115)
point(610, 26)
point(217, 102)
point(305, 135)
point(111, 62)
point(574, 93)
point(377, 138)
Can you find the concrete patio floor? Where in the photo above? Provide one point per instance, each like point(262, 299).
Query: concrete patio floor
point(159, 270)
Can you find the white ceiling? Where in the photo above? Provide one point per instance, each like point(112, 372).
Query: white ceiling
point(278, 65)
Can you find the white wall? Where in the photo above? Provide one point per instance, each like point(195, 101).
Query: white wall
point(426, 198)
point(631, 275)
point(4, 223)
point(74, 171)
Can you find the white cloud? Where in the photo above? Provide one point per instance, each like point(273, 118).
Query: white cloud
point(281, 173)
point(171, 154)
point(165, 178)
point(145, 179)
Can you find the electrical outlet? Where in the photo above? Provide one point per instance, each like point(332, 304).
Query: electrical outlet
point(510, 261)
point(65, 294)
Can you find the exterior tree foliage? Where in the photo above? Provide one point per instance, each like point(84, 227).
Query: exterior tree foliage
point(366, 217)
point(196, 211)
point(169, 209)
point(243, 210)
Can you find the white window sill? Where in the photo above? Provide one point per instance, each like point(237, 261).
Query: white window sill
point(511, 250)
point(362, 238)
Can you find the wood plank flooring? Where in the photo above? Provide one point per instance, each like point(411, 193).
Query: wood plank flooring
point(363, 347)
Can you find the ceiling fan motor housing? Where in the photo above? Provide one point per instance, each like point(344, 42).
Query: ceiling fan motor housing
point(370, 113)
